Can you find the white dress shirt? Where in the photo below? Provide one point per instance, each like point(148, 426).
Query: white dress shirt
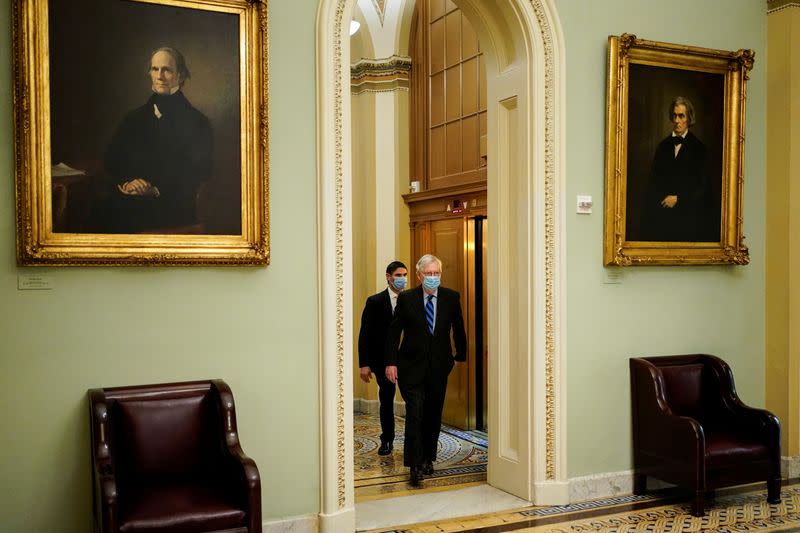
point(678, 146)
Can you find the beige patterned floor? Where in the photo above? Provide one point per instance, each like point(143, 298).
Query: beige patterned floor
point(461, 460)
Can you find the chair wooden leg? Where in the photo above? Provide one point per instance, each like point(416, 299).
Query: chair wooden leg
point(774, 490)
point(639, 484)
point(698, 504)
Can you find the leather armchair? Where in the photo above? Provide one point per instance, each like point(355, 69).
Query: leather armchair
point(167, 458)
point(690, 428)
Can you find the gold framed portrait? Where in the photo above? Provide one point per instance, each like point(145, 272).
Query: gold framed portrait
point(141, 132)
point(674, 154)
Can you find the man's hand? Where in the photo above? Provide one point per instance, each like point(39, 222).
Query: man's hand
point(138, 187)
point(669, 201)
point(365, 373)
point(391, 373)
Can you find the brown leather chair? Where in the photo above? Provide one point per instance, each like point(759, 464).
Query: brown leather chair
point(167, 458)
point(691, 429)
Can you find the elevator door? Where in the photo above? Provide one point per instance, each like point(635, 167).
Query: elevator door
point(454, 242)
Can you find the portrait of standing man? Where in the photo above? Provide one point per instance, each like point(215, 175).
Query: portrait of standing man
point(674, 161)
point(425, 317)
point(676, 203)
point(674, 156)
point(375, 320)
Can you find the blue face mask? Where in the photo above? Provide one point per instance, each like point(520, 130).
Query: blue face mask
point(430, 282)
point(399, 283)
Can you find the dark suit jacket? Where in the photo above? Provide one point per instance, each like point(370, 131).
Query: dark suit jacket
point(420, 352)
point(685, 176)
point(173, 153)
point(375, 320)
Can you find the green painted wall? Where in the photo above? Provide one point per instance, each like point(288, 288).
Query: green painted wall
point(254, 327)
point(657, 310)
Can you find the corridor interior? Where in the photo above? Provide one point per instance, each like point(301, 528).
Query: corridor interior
point(458, 486)
point(458, 498)
point(735, 509)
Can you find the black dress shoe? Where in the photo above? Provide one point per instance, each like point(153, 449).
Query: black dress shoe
point(427, 468)
point(416, 476)
point(385, 449)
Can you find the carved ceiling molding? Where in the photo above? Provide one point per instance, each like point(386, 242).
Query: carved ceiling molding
point(380, 75)
point(380, 7)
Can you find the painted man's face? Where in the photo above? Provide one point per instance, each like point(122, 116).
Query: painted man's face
point(680, 120)
point(163, 73)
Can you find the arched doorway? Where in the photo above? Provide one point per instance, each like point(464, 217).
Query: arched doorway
point(525, 270)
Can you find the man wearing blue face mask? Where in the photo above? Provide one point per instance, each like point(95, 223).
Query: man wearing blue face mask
point(375, 320)
point(425, 316)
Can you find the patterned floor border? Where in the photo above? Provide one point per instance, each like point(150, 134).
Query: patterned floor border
point(587, 505)
point(733, 510)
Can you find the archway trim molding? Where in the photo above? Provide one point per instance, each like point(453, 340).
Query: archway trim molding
point(547, 391)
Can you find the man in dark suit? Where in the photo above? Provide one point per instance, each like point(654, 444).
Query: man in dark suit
point(676, 203)
point(425, 316)
point(375, 320)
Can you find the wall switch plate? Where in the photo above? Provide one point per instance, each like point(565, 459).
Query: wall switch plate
point(584, 206)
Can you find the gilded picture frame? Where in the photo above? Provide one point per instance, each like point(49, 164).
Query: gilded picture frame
point(674, 154)
point(141, 132)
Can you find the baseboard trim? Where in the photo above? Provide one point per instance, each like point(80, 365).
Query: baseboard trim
point(790, 466)
point(372, 407)
point(611, 484)
point(294, 524)
point(607, 485)
point(551, 493)
point(338, 522)
point(577, 489)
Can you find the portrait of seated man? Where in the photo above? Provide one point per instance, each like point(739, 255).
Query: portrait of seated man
point(158, 157)
point(677, 200)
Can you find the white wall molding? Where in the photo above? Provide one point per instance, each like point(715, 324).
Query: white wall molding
point(790, 467)
point(605, 485)
point(294, 524)
point(551, 492)
point(608, 485)
point(342, 521)
point(334, 270)
point(611, 484)
point(527, 67)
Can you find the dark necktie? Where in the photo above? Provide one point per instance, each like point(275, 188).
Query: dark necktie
point(429, 313)
point(677, 140)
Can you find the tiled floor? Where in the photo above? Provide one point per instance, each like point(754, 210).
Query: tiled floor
point(458, 499)
point(740, 509)
point(461, 460)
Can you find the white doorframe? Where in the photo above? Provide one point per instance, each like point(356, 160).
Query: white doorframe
point(526, 265)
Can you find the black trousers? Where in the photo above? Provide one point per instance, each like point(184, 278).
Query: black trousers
point(424, 403)
point(386, 391)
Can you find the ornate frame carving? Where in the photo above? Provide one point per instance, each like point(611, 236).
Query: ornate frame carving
point(39, 244)
point(626, 245)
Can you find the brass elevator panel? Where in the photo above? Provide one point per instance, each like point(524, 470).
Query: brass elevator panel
point(453, 240)
point(447, 215)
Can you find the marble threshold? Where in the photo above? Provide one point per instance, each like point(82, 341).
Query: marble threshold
point(429, 506)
